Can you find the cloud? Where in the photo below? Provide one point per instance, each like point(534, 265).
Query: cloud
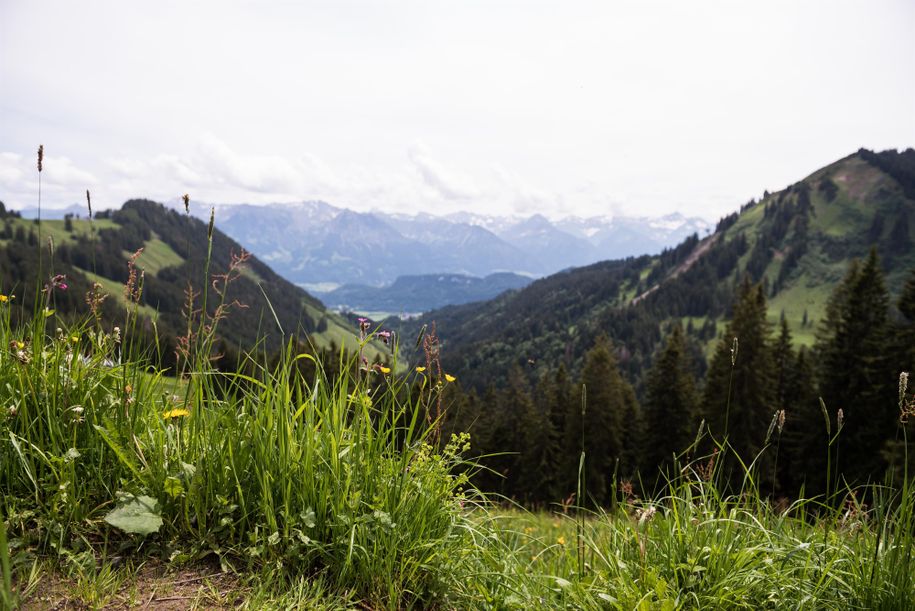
point(61, 180)
point(447, 183)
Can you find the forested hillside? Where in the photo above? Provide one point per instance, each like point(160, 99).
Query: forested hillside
point(174, 252)
point(804, 294)
point(798, 242)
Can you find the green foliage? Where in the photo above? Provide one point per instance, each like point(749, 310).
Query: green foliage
point(671, 405)
point(740, 388)
point(856, 371)
point(138, 515)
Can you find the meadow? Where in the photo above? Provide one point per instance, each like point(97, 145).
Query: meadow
point(278, 485)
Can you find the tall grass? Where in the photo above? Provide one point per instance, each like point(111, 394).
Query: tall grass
point(336, 482)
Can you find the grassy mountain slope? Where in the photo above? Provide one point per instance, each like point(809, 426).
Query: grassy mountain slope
point(174, 251)
point(799, 241)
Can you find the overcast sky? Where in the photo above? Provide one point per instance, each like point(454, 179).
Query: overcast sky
point(498, 107)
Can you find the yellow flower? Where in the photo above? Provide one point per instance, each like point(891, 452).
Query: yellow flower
point(420, 369)
point(561, 540)
point(74, 338)
point(4, 298)
point(449, 377)
point(175, 413)
point(20, 345)
point(384, 369)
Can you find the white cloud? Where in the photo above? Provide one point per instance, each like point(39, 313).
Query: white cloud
point(445, 181)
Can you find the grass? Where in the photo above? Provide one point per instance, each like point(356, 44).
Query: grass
point(156, 256)
point(271, 491)
point(267, 488)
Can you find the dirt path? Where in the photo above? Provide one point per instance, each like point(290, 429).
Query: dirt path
point(700, 249)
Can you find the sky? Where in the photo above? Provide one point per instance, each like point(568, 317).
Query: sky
point(583, 108)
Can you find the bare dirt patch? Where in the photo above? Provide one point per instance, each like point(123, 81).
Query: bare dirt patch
point(152, 587)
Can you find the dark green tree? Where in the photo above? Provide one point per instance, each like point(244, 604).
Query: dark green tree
point(739, 398)
point(855, 369)
point(802, 462)
point(671, 404)
point(608, 399)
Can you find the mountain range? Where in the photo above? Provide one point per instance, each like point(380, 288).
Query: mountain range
point(321, 247)
point(798, 242)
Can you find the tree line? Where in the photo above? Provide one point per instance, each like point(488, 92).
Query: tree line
point(811, 419)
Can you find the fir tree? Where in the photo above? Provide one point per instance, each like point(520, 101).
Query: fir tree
point(608, 398)
point(671, 404)
point(804, 438)
point(739, 394)
point(855, 372)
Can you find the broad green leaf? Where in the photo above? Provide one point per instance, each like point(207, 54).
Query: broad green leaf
point(140, 516)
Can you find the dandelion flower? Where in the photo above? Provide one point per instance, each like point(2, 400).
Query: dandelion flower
point(175, 413)
point(74, 338)
point(420, 369)
point(4, 298)
point(561, 540)
point(384, 370)
point(449, 377)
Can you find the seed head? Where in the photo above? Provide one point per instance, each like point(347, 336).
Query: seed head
point(903, 386)
point(840, 418)
point(89, 203)
point(210, 226)
point(781, 420)
point(40, 156)
point(734, 352)
point(187, 203)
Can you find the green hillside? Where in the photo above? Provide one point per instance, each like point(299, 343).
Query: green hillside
point(174, 249)
point(798, 241)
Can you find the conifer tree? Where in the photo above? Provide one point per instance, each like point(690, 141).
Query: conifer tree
point(804, 438)
point(671, 404)
point(554, 397)
point(856, 373)
point(739, 397)
point(607, 399)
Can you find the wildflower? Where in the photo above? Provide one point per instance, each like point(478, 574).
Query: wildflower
point(840, 417)
point(175, 413)
point(449, 377)
point(384, 370)
point(128, 389)
point(781, 421)
point(385, 336)
point(17, 344)
point(59, 281)
point(561, 540)
point(420, 369)
point(364, 325)
point(4, 298)
point(48, 312)
point(74, 338)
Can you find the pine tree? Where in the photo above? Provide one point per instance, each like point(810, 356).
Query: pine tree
point(671, 404)
point(739, 397)
point(856, 373)
point(608, 399)
point(804, 438)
